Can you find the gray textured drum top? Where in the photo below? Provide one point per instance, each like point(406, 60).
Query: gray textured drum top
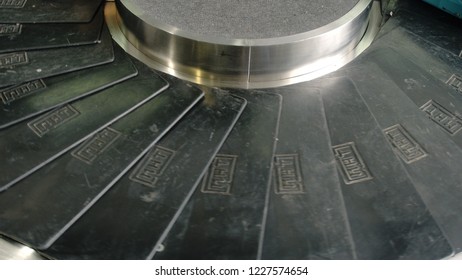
point(249, 19)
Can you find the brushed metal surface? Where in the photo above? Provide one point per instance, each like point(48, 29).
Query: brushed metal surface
point(10, 250)
point(22, 66)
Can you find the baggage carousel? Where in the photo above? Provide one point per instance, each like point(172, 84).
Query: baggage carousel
point(230, 130)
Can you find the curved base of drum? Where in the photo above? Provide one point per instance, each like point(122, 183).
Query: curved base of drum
point(244, 63)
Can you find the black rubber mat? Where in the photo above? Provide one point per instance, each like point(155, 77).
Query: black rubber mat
point(437, 61)
point(152, 195)
point(24, 66)
point(20, 37)
point(39, 11)
point(430, 24)
point(232, 187)
point(438, 33)
point(58, 194)
point(27, 100)
point(429, 155)
point(305, 213)
point(438, 101)
point(388, 219)
point(46, 137)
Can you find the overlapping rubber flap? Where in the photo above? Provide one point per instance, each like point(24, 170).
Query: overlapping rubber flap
point(21, 66)
point(20, 36)
point(77, 179)
point(344, 198)
point(223, 219)
point(384, 104)
point(26, 100)
point(416, 101)
point(42, 206)
point(430, 24)
point(339, 190)
point(29, 145)
point(69, 178)
point(40, 39)
point(62, 82)
point(50, 11)
point(96, 120)
point(431, 44)
point(387, 217)
point(151, 195)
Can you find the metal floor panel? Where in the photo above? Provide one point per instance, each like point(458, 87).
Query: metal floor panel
point(361, 163)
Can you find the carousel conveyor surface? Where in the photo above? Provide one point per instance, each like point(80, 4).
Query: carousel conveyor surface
point(258, 148)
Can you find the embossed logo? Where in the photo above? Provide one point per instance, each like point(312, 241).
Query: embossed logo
point(351, 165)
point(13, 59)
point(219, 177)
point(456, 82)
point(404, 145)
point(288, 174)
point(14, 93)
point(96, 145)
point(12, 3)
point(447, 120)
point(54, 119)
point(10, 29)
point(152, 166)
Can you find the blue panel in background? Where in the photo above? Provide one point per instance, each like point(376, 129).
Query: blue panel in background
point(453, 7)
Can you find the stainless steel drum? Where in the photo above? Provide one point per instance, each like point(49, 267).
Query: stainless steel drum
point(250, 44)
